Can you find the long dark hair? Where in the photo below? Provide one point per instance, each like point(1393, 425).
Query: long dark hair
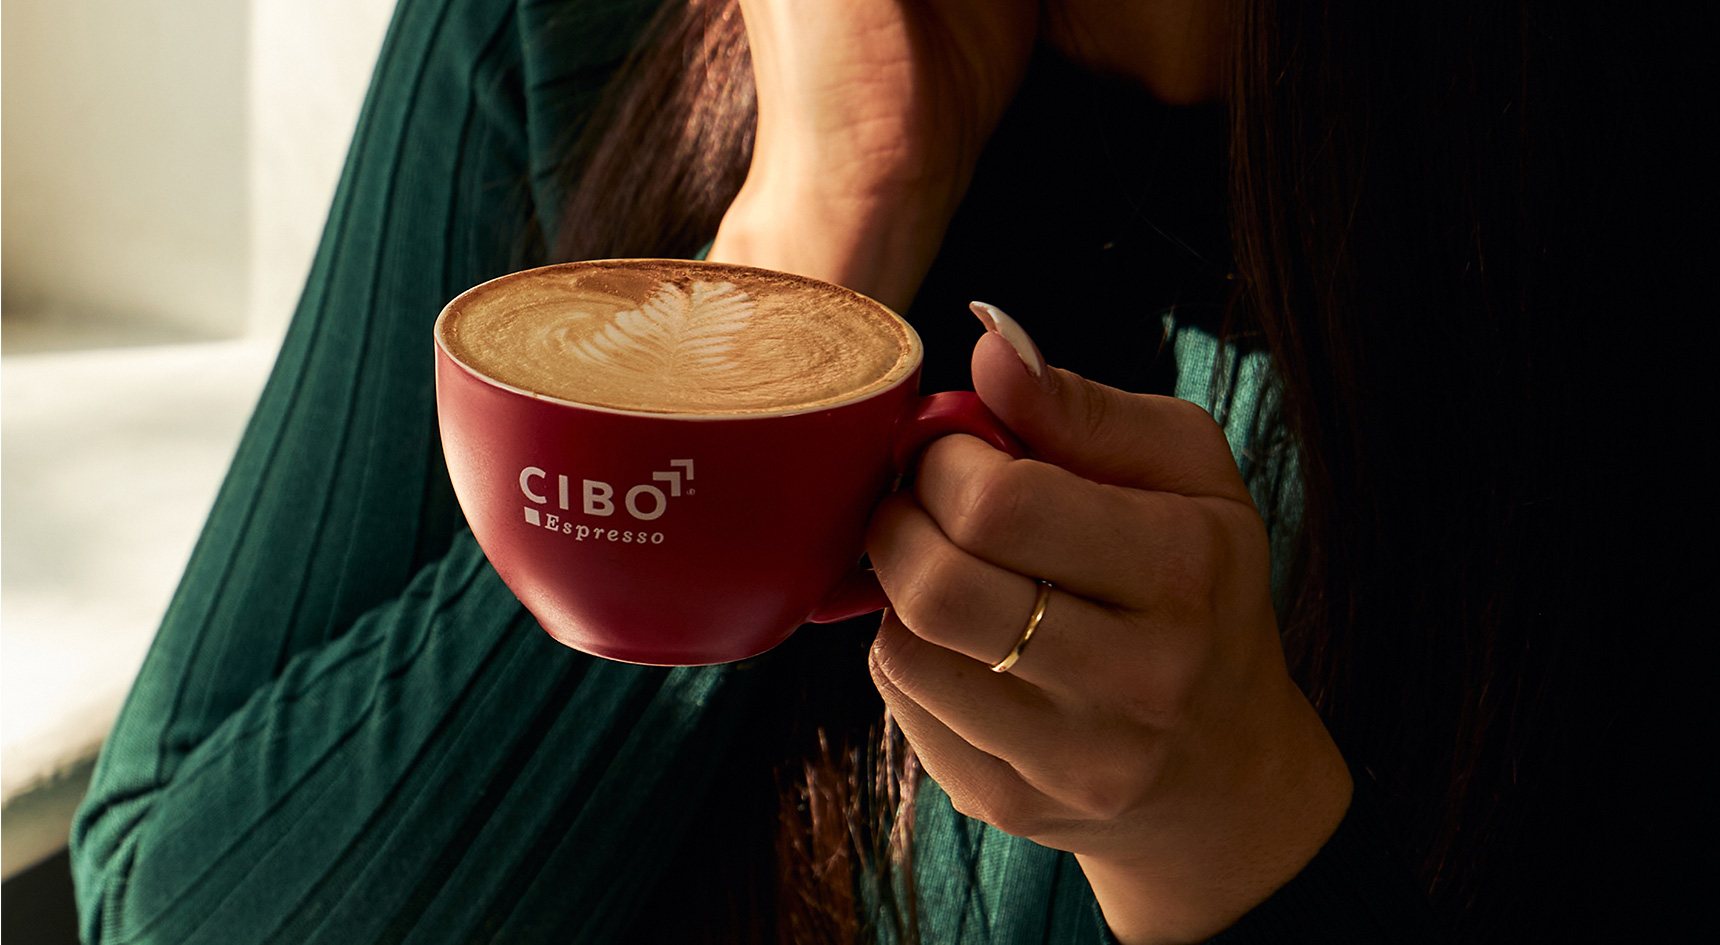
point(1440, 218)
point(1448, 221)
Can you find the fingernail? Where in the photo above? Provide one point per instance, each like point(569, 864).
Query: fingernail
point(995, 319)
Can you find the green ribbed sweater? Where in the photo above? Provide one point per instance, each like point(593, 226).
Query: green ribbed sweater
point(349, 731)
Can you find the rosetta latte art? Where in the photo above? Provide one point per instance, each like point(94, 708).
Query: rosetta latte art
point(677, 338)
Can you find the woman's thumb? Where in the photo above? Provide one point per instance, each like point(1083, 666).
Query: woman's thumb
point(1098, 432)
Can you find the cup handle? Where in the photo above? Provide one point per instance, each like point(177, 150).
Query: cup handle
point(956, 411)
point(953, 411)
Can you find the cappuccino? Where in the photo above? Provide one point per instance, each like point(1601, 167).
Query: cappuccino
point(679, 337)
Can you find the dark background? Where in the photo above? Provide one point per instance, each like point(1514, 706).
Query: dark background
point(37, 908)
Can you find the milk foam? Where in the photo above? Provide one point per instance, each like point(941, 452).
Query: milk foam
point(678, 337)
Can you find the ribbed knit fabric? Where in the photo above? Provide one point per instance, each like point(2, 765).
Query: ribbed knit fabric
point(348, 730)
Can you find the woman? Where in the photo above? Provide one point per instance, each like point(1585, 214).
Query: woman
point(1448, 227)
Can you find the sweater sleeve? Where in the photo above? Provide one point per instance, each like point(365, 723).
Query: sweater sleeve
point(347, 729)
point(1355, 891)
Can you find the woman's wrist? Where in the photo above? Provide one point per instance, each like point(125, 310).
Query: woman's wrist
point(878, 241)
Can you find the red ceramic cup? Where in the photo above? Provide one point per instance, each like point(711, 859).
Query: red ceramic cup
point(674, 539)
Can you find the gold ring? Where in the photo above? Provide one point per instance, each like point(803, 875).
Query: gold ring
point(1027, 634)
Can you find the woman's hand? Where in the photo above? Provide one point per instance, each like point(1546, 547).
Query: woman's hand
point(1149, 726)
point(871, 114)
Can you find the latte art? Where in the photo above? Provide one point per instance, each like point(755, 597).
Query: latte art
point(677, 338)
point(664, 336)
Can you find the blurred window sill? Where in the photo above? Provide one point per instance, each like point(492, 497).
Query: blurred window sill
point(112, 456)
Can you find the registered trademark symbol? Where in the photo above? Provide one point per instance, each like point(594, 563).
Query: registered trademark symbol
point(692, 491)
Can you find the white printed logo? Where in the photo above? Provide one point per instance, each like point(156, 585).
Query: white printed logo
point(644, 502)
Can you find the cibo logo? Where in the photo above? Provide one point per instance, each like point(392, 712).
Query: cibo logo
point(644, 502)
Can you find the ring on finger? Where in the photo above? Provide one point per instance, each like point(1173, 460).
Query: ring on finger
point(1003, 665)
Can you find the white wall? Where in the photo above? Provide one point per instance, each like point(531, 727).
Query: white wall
point(169, 163)
point(125, 178)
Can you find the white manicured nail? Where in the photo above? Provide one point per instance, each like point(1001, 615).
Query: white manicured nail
point(995, 319)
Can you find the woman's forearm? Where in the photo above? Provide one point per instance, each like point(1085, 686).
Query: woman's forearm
point(878, 244)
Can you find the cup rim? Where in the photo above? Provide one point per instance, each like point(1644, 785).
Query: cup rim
point(913, 360)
